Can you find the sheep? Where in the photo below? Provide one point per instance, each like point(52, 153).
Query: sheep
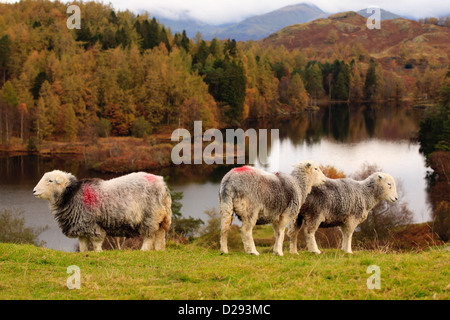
point(344, 203)
point(90, 209)
point(258, 197)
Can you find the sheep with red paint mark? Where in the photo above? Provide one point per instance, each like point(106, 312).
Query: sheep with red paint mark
point(90, 209)
point(259, 197)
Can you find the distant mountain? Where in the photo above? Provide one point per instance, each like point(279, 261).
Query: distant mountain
point(261, 26)
point(253, 28)
point(385, 15)
point(192, 27)
point(349, 28)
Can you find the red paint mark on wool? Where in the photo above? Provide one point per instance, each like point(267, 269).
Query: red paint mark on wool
point(90, 198)
point(243, 169)
point(150, 177)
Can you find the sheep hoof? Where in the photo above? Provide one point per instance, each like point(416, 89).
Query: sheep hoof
point(255, 253)
point(280, 254)
point(294, 252)
point(316, 252)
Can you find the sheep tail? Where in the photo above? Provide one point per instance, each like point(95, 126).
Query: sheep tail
point(167, 220)
point(165, 223)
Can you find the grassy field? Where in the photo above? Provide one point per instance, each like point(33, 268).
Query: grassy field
point(192, 272)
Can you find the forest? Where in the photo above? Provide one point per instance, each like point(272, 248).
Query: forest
point(124, 74)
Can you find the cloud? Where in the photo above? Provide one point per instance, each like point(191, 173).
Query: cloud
point(209, 11)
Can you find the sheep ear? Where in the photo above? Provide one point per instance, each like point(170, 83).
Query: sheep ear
point(59, 180)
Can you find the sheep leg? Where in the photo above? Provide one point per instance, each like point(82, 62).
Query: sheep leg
point(309, 229)
point(343, 237)
point(226, 220)
point(347, 233)
point(293, 231)
point(247, 238)
point(97, 244)
point(160, 239)
point(83, 244)
point(148, 243)
point(279, 228)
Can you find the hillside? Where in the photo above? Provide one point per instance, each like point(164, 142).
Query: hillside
point(192, 272)
point(384, 14)
point(396, 37)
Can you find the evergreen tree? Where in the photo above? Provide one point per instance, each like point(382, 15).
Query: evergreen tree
point(215, 48)
point(184, 41)
point(230, 48)
point(164, 38)
point(313, 76)
point(152, 34)
point(340, 89)
point(200, 56)
point(227, 83)
point(123, 37)
point(38, 81)
point(109, 39)
point(5, 53)
point(85, 35)
point(371, 81)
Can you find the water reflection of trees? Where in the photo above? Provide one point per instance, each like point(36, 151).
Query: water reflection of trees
point(349, 123)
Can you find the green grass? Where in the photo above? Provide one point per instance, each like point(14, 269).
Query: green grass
point(192, 272)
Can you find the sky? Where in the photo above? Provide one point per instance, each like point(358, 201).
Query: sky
point(218, 12)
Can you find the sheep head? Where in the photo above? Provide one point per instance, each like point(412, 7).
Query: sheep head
point(313, 172)
point(52, 184)
point(387, 183)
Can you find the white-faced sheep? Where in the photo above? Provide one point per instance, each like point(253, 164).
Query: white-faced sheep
point(343, 203)
point(90, 209)
point(258, 197)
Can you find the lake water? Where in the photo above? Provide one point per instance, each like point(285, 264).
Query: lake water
point(339, 135)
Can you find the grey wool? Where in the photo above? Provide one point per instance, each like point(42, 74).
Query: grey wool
point(91, 209)
point(343, 203)
point(258, 197)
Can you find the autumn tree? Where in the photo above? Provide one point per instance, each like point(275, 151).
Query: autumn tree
point(52, 106)
point(10, 101)
point(140, 128)
point(356, 83)
point(23, 111)
point(70, 124)
point(297, 94)
point(120, 122)
point(43, 127)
